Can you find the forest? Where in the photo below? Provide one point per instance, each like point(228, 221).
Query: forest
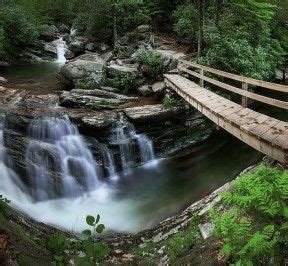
point(143, 132)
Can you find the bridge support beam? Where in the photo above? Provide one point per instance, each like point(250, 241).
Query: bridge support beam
point(244, 101)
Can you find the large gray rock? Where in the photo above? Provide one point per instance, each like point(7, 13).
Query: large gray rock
point(150, 113)
point(143, 28)
point(115, 69)
point(85, 71)
point(171, 58)
point(107, 56)
point(63, 28)
point(77, 46)
point(90, 47)
point(159, 89)
point(49, 32)
point(3, 80)
point(145, 90)
point(95, 99)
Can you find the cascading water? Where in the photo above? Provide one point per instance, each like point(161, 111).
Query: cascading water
point(61, 47)
point(124, 135)
point(58, 160)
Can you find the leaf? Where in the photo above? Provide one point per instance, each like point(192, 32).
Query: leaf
point(284, 226)
point(100, 228)
point(87, 232)
point(97, 219)
point(90, 220)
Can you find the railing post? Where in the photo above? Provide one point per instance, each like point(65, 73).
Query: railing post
point(244, 101)
point(201, 83)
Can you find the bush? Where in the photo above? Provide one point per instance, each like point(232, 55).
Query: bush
point(255, 229)
point(152, 64)
point(127, 82)
point(183, 241)
point(185, 21)
point(169, 102)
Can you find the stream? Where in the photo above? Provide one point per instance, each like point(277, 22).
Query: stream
point(136, 197)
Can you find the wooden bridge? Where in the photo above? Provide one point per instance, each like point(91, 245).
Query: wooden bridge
point(266, 134)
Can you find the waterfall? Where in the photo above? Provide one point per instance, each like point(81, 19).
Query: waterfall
point(58, 160)
point(61, 47)
point(124, 135)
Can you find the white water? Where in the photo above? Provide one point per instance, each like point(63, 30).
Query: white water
point(61, 47)
point(130, 144)
point(57, 136)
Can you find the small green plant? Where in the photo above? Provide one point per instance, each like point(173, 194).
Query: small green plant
point(58, 244)
point(181, 242)
point(96, 106)
point(127, 82)
point(169, 102)
point(153, 64)
point(254, 229)
point(94, 251)
point(4, 208)
point(146, 250)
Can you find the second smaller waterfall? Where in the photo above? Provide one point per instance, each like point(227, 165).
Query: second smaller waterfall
point(61, 47)
point(133, 147)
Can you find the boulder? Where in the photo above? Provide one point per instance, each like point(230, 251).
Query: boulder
point(110, 89)
point(69, 54)
point(90, 47)
point(63, 28)
point(159, 89)
point(84, 71)
point(107, 56)
point(143, 28)
point(145, 90)
point(171, 58)
point(3, 80)
point(49, 33)
point(51, 48)
point(77, 46)
point(4, 64)
point(95, 99)
point(153, 113)
point(115, 69)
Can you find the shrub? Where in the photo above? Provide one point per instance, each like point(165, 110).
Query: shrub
point(153, 64)
point(181, 242)
point(58, 243)
point(127, 82)
point(4, 208)
point(255, 228)
point(169, 102)
point(185, 21)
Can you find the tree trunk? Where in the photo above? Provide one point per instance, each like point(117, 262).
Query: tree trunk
point(219, 10)
point(201, 6)
point(115, 34)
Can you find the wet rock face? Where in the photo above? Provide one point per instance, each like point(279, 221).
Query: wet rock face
point(49, 33)
point(83, 71)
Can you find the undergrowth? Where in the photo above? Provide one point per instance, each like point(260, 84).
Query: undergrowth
point(254, 226)
point(126, 83)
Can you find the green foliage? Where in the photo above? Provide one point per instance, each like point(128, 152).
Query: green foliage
point(95, 252)
point(255, 228)
point(16, 30)
point(169, 102)
point(182, 241)
point(153, 65)
point(127, 82)
point(4, 208)
point(58, 244)
point(146, 250)
point(185, 21)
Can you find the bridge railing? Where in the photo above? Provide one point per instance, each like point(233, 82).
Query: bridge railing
point(244, 92)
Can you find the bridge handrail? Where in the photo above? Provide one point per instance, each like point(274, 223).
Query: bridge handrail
point(251, 81)
point(245, 81)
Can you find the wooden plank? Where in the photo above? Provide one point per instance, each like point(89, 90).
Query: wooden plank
point(260, 83)
point(251, 95)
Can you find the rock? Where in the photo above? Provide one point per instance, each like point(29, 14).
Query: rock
point(95, 99)
point(171, 58)
point(77, 46)
point(110, 89)
point(51, 48)
point(84, 71)
point(114, 69)
point(47, 99)
point(69, 54)
point(4, 64)
point(159, 89)
point(63, 28)
point(3, 80)
point(49, 32)
point(145, 90)
point(90, 47)
point(206, 230)
point(143, 28)
point(107, 56)
point(28, 57)
point(152, 113)
point(103, 47)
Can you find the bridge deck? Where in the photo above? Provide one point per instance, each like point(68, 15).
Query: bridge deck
point(266, 134)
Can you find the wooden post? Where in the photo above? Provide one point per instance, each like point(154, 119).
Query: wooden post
point(201, 83)
point(244, 99)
